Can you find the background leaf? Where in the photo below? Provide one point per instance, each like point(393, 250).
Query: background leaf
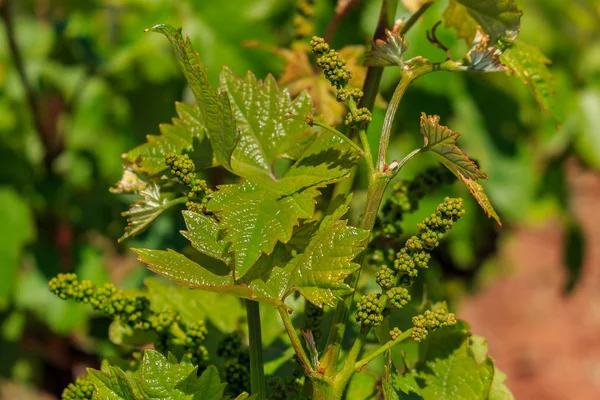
point(529, 65)
point(500, 19)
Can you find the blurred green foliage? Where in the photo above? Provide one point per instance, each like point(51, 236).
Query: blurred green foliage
point(100, 85)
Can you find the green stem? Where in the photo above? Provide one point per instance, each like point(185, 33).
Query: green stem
point(257, 373)
point(359, 365)
point(296, 344)
point(373, 77)
point(405, 81)
point(415, 17)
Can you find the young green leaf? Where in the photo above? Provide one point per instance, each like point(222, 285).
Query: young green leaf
point(441, 140)
point(182, 135)
point(165, 378)
point(388, 52)
point(143, 212)
point(318, 273)
point(484, 57)
point(447, 370)
point(205, 236)
point(214, 110)
point(500, 19)
point(529, 65)
point(188, 273)
point(264, 120)
point(112, 385)
point(257, 216)
point(160, 378)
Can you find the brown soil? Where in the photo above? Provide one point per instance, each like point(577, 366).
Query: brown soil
point(547, 343)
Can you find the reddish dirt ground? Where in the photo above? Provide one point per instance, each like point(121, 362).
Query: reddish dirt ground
point(547, 343)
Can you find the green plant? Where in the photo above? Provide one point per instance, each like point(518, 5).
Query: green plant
point(253, 166)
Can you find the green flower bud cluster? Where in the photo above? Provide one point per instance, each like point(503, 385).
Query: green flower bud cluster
point(397, 297)
point(236, 363)
point(183, 168)
point(395, 333)
point(132, 310)
point(405, 199)
point(344, 94)
point(370, 310)
point(415, 253)
point(431, 321)
point(303, 25)
point(135, 311)
point(360, 116)
point(313, 318)
point(333, 65)
point(193, 343)
point(82, 389)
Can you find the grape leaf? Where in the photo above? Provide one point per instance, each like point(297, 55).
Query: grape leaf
point(388, 52)
point(529, 65)
point(214, 110)
point(143, 212)
point(256, 216)
point(182, 135)
point(484, 57)
point(160, 378)
point(188, 273)
point(500, 19)
point(267, 132)
point(318, 273)
point(165, 378)
point(447, 370)
point(111, 385)
point(441, 140)
point(205, 236)
point(477, 191)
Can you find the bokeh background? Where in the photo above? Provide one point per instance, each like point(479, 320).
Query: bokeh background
point(80, 84)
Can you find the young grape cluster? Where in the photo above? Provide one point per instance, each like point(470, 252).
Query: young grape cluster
point(183, 168)
point(415, 255)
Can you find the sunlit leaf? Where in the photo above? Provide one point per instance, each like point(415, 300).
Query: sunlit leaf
point(257, 216)
point(263, 118)
point(205, 236)
point(388, 52)
point(529, 65)
point(318, 273)
point(500, 19)
point(188, 273)
point(447, 369)
point(160, 378)
point(214, 109)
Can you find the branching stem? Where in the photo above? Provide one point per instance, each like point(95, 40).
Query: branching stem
point(359, 365)
point(296, 344)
